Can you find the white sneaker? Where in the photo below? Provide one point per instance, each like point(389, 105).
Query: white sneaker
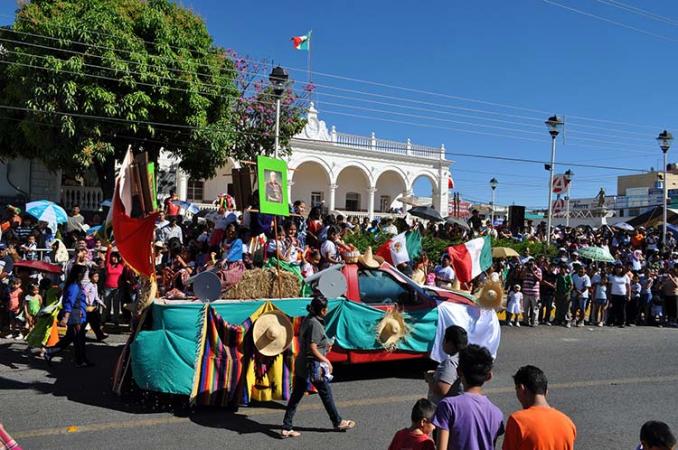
point(518, 324)
point(19, 337)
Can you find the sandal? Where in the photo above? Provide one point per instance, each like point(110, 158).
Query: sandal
point(345, 425)
point(289, 433)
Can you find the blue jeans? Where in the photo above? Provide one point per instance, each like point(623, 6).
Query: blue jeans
point(298, 391)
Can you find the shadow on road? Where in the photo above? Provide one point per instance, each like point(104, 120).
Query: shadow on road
point(408, 369)
point(90, 386)
point(241, 424)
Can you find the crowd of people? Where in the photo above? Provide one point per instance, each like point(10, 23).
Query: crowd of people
point(639, 288)
point(94, 289)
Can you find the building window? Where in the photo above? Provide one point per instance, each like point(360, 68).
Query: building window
point(352, 201)
point(195, 191)
point(317, 198)
point(384, 203)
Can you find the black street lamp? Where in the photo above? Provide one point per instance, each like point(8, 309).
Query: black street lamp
point(493, 186)
point(278, 79)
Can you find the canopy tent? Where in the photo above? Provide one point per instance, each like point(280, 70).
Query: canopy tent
point(654, 217)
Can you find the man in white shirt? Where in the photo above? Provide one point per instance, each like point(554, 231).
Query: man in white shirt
point(581, 283)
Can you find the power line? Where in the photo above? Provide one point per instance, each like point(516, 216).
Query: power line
point(639, 11)
point(610, 21)
point(332, 112)
point(358, 145)
point(335, 77)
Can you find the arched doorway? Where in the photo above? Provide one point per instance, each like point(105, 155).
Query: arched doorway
point(425, 189)
point(352, 193)
point(310, 184)
point(390, 186)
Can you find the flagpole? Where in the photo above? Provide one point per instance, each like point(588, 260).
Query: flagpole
point(308, 60)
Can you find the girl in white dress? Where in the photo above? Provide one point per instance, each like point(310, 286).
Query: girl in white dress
point(514, 306)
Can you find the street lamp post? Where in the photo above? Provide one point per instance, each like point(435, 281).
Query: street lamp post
point(664, 139)
point(568, 179)
point(554, 124)
point(278, 79)
point(493, 186)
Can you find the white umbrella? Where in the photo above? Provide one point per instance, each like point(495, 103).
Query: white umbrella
point(623, 226)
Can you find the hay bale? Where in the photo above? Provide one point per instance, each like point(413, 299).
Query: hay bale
point(263, 283)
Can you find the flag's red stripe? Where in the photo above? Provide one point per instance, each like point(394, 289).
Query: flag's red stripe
point(461, 262)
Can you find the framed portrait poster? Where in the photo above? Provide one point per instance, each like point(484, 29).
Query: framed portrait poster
point(272, 184)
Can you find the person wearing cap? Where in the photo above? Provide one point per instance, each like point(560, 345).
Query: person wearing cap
point(312, 365)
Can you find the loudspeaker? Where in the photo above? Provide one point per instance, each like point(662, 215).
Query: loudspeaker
point(516, 218)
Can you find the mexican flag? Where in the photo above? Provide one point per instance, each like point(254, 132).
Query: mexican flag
point(302, 42)
point(471, 258)
point(401, 248)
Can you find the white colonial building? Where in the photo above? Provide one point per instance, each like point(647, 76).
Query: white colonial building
point(345, 173)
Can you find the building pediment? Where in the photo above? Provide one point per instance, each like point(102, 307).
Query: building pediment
point(315, 128)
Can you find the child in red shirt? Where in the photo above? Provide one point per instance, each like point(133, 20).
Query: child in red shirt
point(418, 435)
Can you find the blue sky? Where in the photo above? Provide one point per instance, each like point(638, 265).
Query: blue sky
point(534, 56)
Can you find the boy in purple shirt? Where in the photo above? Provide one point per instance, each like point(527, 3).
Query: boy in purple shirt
point(470, 421)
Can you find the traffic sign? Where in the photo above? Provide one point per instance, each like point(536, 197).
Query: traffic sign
point(560, 184)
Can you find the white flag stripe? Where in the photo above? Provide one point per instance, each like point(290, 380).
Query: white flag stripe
point(475, 248)
point(398, 248)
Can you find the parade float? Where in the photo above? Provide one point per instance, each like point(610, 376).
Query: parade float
point(221, 350)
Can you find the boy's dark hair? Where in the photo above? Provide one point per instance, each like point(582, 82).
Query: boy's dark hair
point(533, 378)
point(657, 434)
point(475, 364)
point(457, 335)
point(423, 409)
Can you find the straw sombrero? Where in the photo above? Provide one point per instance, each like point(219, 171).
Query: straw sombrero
point(368, 260)
point(391, 329)
point(491, 295)
point(272, 333)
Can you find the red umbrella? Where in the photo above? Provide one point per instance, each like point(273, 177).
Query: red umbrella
point(39, 265)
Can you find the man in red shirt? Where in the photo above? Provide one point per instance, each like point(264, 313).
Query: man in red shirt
point(171, 209)
point(537, 426)
point(418, 435)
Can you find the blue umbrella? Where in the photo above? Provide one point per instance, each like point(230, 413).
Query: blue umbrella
point(47, 211)
point(94, 229)
point(189, 207)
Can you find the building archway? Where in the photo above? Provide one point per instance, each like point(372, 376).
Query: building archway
point(390, 186)
point(310, 184)
point(352, 189)
point(425, 188)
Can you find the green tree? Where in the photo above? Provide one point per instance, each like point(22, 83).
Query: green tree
point(148, 70)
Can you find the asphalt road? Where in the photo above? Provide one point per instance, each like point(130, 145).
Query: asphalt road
point(608, 380)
